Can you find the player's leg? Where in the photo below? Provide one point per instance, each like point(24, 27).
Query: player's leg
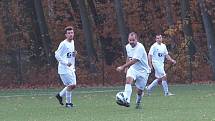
point(165, 87)
point(69, 95)
point(164, 83)
point(151, 86)
point(130, 77)
point(71, 79)
point(63, 91)
point(158, 74)
point(140, 85)
point(128, 90)
point(139, 97)
point(60, 95)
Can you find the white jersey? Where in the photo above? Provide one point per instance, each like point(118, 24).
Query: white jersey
point(65, 54)
point(158, 52)
point(139, 53)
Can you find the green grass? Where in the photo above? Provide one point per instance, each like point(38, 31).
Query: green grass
point(191, 103)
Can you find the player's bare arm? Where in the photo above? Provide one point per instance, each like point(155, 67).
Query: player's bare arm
point(126, 65)
point(170, 59)
point(125, 70)
point(74, 54)
point(150, 61)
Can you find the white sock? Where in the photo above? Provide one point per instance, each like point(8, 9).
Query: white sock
point(165, 87)
point(128, 91)
point(63, 92)
point(153, 84)
point(68, 96)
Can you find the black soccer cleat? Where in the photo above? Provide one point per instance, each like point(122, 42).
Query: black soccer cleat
point(69, 105)
point(60, 99)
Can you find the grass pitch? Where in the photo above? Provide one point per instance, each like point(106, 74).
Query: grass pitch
point(191, 103)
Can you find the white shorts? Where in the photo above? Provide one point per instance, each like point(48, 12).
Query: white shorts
point(140, 78)
point(159, 70)
point(68, 79)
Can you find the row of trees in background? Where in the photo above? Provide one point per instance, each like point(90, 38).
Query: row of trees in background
point(32, 29)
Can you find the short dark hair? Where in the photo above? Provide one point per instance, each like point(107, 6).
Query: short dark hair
point(68, 28)
point(133, 34)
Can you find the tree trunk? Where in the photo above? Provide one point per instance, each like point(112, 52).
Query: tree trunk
point(208, 25)
point(169, 13)
point(188, 33)
point(121, 24)
point(74, 5)
point(93, 11)
point(13, 32)
point(170, 21)
point(87, 33)
point(43, 30)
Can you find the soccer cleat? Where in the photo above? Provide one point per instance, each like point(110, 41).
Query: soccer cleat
point(169, 94)
point(59, 98)
point(126, 104)
point(69, 105)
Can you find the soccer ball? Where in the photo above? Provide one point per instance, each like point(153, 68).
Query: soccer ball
point(120, 98)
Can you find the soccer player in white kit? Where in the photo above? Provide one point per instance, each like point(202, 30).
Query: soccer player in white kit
point(65, 55)
point(157, 54)
point(137, 69)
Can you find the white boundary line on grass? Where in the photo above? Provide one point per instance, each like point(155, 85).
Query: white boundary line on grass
point(53, 93)
point(76, 92)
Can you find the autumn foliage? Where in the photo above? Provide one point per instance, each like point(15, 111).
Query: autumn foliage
point(24, 62)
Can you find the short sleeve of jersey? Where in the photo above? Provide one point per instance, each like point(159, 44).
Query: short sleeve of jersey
point(73, 46)
point(165, 50)
point(139, 52)
point(151, 51)
point(127, 50)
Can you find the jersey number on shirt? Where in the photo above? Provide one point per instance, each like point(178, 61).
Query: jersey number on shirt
point(69, 54)
point(160, 54)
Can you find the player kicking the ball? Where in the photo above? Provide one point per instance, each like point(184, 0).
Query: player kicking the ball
point(137, 69)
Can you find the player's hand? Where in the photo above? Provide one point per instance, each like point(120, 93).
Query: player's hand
point(120, 68)
point(125, 70)
point(173, 61)
point(69, 64)
point(74, 53)
point(150, 70)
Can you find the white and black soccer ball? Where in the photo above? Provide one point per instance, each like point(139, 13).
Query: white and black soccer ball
point(120, 98)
